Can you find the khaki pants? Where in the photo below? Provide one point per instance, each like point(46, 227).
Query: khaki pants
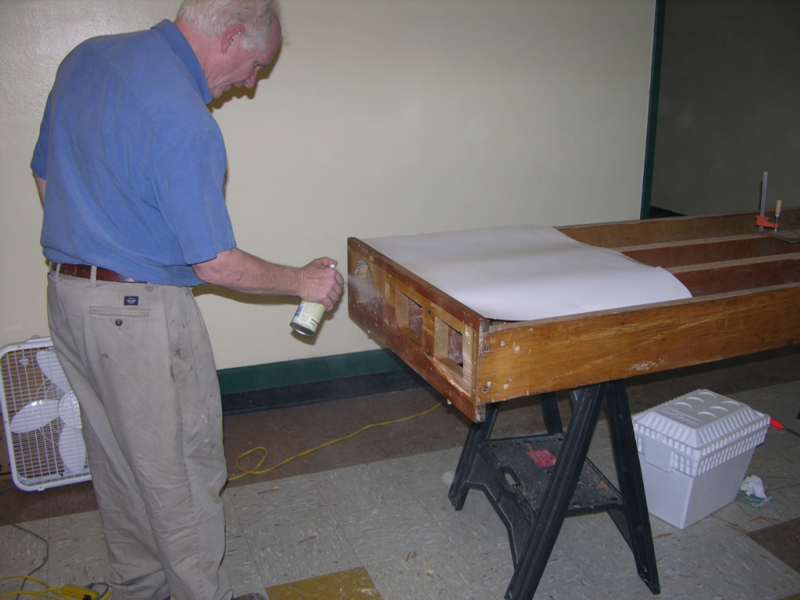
point(139, 360)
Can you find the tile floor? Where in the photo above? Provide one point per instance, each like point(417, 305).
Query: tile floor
point(382, 518)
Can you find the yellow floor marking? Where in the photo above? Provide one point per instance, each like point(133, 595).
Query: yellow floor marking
point(345, 585)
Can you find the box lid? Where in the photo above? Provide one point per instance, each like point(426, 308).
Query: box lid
point(697, 425)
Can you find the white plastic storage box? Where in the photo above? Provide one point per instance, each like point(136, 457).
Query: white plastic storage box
point(694, 451)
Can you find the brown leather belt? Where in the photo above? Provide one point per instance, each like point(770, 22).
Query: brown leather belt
point(85, 272)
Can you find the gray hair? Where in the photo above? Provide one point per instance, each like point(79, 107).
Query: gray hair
point(215, 17)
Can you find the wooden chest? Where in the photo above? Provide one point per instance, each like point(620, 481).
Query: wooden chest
point(746, 299)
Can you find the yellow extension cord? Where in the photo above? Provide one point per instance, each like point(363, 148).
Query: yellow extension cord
point(255, 471)
point(67, 592)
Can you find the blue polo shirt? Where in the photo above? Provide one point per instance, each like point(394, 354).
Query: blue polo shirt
point(133, 160)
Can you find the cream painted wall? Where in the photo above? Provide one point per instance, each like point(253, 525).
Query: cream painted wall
point(381, 117)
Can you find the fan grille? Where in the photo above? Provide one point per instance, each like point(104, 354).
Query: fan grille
point(34, 456)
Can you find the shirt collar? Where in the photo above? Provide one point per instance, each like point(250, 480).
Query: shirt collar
point(184, 51)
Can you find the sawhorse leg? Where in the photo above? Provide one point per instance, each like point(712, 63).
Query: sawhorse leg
point(557, 497)
point(478, 434)
point(633, 520)
point(533, 531)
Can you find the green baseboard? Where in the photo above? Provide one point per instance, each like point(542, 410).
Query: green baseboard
point(299, 382)
point(306, 371)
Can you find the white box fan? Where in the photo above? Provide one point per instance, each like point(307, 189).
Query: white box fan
point(41, 418)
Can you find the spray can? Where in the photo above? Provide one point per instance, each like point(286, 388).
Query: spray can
point(308, 315)
point(307, 318)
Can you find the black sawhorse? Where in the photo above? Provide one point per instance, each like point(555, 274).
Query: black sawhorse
point(533, 501)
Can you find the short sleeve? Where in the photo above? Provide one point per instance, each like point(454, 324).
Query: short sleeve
point(190, 177)
point(39, 160)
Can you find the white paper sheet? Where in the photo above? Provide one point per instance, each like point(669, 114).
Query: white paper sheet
point(523, 273)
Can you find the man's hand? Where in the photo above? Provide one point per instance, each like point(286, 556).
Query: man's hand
point(321, 283)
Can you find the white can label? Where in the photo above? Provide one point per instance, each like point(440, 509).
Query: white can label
point(307, 318)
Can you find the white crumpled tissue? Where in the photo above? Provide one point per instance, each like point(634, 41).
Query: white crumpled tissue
point(752, 493)
point(753, 486)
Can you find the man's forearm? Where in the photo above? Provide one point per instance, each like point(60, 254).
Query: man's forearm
point(240, 271)
point(237, 270)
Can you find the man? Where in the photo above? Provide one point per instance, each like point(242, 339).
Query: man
point(130, 169)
